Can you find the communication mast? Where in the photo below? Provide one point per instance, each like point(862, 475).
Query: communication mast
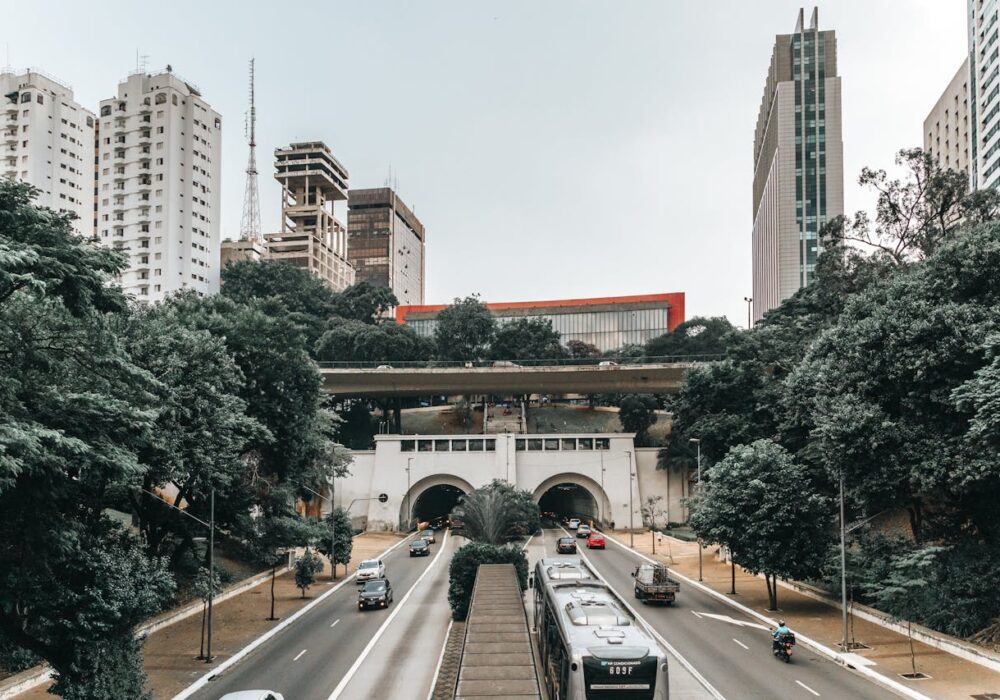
point(250, 223)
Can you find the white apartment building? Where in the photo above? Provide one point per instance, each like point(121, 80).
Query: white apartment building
point(984, 78)
point(158, 184)
point(48, 142)
point(946, 128)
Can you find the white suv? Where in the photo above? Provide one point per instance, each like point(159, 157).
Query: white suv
point(369, 570)
point(573, 523)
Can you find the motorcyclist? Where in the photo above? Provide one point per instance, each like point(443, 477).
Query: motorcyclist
point(782, 629)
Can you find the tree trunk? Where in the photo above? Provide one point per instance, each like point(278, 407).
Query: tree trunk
point(916, 513)
point(913, 656)
point(772, 590)
point(274, 568)
point(201, 651)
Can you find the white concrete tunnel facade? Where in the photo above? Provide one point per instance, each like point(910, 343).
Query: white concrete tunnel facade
point(604, 473)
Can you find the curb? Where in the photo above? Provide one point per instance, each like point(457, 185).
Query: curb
point(242, 653)
point(835, 656)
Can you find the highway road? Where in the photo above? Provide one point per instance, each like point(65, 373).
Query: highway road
point(309, 659)
point(729, 649)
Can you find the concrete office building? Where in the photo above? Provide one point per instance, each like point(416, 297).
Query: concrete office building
point(48, 142)
point(385, 243)
point(606, 322)
point(311, 236)
point(798, 162)
point(946, 128)
point(158, 184)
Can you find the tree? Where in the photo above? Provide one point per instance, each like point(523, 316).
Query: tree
point(497, 513)
point(338, 524)
point(915, 216)
point(206, 586)
point(764, 506)
point(365, 302)
point(580, 350)
point(298, 290)
point(306, 568)
point(464, 330)
point(696, 336)
point(637, 413)
point(465, 565)
point(652, 511)
point(527, 339)
point(273, 537)
point(355, 341)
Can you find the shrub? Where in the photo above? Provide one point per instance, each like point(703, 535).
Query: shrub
point(465, 564)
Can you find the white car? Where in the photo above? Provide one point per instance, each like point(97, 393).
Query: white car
point(573, 523)
point(369, 570)
point(384, 367)
point(607, 363)
point(583, 530)
point(253, 695)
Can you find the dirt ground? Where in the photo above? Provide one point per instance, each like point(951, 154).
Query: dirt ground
point(170, 653)
point(950, 676)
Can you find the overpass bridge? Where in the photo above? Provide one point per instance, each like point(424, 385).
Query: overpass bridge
point(651, 375)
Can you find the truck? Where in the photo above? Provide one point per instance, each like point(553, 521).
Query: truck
point(653, 584)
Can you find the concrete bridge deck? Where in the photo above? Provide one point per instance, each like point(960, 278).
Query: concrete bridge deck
point(645, 378)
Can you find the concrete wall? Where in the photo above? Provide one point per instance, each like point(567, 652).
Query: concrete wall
point(670, 485)
point(603, 472)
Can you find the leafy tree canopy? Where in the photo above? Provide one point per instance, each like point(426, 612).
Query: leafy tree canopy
point(526, 339)
point(464, 330)
point(637, 414)
point(696, 336)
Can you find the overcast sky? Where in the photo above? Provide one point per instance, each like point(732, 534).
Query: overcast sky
point(552, 149)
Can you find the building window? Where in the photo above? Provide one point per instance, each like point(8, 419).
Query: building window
point(442, 445)
point(551, 444)
point(39, 99)
point(173, 99)
point(491, 445)
point(106, 111)
point(25, 97)
point(585, 443)
point(161, 98)
point(407, 445)
point(475, 445)
point(534, 444)
point(519, 445)
point(569, 443)
point(459, 446)
point(425, 445)
point(602, 443)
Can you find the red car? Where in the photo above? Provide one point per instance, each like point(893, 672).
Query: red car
point(595, 541)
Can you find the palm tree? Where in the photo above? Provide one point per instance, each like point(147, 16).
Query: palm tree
point(485, 515)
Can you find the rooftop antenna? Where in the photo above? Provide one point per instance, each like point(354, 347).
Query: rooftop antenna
point(250, 223)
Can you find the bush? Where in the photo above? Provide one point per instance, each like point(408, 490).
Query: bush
point(306, 568)
point(465, 565)
point(13, 658)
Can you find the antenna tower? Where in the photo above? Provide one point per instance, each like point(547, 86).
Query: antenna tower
point(250, 223)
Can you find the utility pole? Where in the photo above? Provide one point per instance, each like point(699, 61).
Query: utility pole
point(333, 526)
point(601, 505)
point(843, 564)
point(631, 510)
point(409, 506)
point(211, 572)
point(749, 301)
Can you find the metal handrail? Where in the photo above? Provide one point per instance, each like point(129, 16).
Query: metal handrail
point(506, 364)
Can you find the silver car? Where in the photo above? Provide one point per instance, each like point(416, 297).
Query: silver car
point(370, 570)
point(253, 695)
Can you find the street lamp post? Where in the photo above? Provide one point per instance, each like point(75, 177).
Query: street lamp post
point(409, 506)
point(601, 504)
point(208, 658)
point(631, 511)
point(749, 301)
point(843, 564)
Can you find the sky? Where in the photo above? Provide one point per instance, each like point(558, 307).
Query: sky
point(563, 149)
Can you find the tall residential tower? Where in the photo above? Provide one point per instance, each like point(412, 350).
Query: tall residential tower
point(158, 184)
point(798, 180)
point(946, 128)
point(48, 142)
point(385, 243)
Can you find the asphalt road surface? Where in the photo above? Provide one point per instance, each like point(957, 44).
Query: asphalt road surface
point(309, 659)
point(730, 650)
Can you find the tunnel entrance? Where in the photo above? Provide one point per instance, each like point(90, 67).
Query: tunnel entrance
point(569, 500)
point(436, 502)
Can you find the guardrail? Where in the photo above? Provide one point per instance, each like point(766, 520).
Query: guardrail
point(506, 364)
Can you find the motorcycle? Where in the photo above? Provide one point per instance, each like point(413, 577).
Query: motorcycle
point(782, 646)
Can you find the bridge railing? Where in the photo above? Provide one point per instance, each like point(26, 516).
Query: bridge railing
point(501, 364)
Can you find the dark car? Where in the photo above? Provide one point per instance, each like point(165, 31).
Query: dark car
point(566, 545)
point(375, 594)
point(420, 548)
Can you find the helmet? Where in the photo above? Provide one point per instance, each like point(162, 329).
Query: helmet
point(781, 623)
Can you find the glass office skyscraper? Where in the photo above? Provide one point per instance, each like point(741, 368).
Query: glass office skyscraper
point(798, 162)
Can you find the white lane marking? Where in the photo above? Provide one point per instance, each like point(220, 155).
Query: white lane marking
point(335, 622)
point(242, 653)
point(733, 621)
point(836, 657)
point(696, 614)
point(741, 644)
point(300, 655)
point(388, 621)
point(659, 637)
point(437, 669)
point(808, 688)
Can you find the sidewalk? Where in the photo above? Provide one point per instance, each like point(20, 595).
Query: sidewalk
point(950, 677)
point(169, 654)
